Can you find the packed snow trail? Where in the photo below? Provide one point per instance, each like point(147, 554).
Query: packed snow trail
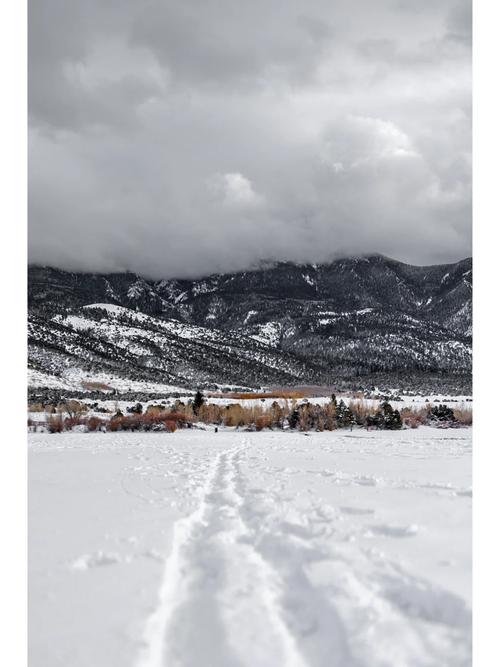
point(216, 588)
point(331, 550)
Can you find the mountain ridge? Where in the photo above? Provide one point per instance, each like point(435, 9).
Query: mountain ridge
point(262, 265)
point(349, 318)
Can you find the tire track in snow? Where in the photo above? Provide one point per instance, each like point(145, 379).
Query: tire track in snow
point(219, 599)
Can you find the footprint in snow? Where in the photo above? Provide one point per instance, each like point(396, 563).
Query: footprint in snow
point(98, 559)
point(395, 531)
point(366, 481)
point(154, 555)
point(356, 510)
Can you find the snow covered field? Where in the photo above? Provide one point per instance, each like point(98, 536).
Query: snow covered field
point(334, 549)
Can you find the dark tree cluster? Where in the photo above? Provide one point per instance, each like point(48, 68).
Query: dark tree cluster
point(312, 417)
point(135, 409)
point(385, 418)
point(442, 414)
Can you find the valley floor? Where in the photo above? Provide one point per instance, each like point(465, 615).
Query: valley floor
point(335, 549)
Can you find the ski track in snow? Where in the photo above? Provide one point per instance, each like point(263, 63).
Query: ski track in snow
point(217, 586)
point(256, 579)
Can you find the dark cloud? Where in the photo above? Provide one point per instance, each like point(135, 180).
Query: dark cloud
point(180, 138)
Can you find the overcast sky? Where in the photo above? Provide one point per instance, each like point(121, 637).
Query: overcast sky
point(184, 137)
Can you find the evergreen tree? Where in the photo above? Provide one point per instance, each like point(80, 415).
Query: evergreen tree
point(385, 417)
point(392, 418)
point(397, 422)
point(198, 402)
point(376, 420)
point(343, 415)
point(293, 419)
point(442, 413)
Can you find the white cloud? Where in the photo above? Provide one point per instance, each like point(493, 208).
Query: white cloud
point(234, 190)
point(158, 129)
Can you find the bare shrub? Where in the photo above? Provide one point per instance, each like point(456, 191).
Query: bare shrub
point(179, 417)
point(234, 415)
point(96, 386)
point(115, 423)
point(155, 409)
point(277, 414)
point(264, 421)
point(361, 410)
point(95, 424)
point(210, 413)
point(170, 426)
point(55, 424)
point(154, 420)
point(463, 417)
point(73, 408)
point(69, 422)
point(415, 417)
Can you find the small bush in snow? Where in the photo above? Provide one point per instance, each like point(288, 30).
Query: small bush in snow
point(463, 417)
point(95, 424)
point(385, 418)
point(55, 424)
point(442, 413)
point(151, 421)
point(343, 415)
point(264, 421)
point(71, 422)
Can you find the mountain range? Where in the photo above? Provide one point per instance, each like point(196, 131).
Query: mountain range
point(354, 320)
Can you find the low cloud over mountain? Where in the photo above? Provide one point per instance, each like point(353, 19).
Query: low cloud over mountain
point(182, 138)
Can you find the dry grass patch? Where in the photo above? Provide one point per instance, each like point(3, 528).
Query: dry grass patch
point(95, 423)
point(463, 417)
point(249, 396)
point(96, 386)
point(361, 410)
point(264, 421)
point(37, 407)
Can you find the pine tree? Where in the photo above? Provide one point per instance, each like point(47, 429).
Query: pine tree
point(392, 418)
point(442, 413)
point(397, 422)
point(198, 402)
point(343, 415)
point(293, 419)
point(385, 417)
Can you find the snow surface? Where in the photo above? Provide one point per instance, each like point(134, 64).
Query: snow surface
point(272, 549)
point(268, 333)
point(75, 378)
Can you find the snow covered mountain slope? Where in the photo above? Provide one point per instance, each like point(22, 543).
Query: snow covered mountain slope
point(351, 318)
point(105, 338)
